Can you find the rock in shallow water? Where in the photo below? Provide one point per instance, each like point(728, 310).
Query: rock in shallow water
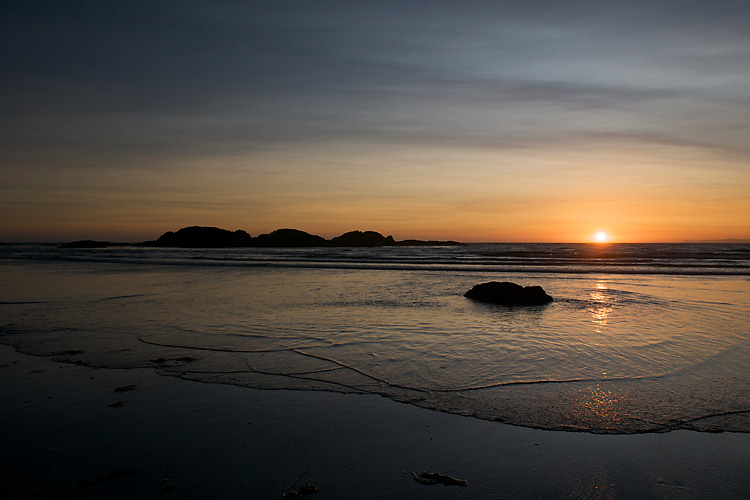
point(509, 294)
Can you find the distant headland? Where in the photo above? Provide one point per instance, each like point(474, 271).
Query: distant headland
point(214, 237)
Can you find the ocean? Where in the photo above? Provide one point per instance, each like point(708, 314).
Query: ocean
point(640, 337)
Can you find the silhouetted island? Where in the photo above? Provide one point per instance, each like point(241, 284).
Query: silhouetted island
point(202, 237)
point(430, 243)
point(214, 237)
point(289, 238)
point(362, 239)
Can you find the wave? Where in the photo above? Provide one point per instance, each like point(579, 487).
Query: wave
point(671, 259)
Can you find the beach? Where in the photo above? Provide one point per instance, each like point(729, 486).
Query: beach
point(65, 436)
point(141, 373)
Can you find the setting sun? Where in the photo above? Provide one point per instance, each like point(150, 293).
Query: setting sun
point(601, 237)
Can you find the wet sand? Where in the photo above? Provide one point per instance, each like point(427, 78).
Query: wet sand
point(76, 432)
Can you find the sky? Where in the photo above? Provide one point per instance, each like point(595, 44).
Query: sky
point(468, 120)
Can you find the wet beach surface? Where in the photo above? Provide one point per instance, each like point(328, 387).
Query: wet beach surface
point(77, 432)
point(613, 354)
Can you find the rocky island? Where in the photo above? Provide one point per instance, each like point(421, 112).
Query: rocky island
point(214, 237)
point(202, 237)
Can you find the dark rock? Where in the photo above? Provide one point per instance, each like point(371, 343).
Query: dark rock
point(509, 294)
point(126, 388)
point(362, 239)
point(289, 238)
point(308, 489)
point(431, 478)
point(301, 494)
point(430, 243)
point(203, 237)
point(70, 352)
point(86, 244)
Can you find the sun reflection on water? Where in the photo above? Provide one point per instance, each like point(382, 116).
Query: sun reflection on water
point(601, 307)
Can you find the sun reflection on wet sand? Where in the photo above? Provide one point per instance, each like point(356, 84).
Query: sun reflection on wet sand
point(600, 407)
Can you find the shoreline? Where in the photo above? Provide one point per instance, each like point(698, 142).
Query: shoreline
point(68, 432)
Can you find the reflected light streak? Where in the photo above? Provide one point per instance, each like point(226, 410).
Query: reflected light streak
point(599, 406)
point(601, 308)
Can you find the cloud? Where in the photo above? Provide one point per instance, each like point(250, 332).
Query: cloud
point(143, 86)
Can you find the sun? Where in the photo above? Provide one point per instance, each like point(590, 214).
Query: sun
point(601, 237)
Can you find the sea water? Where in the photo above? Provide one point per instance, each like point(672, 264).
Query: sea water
point(639, 338)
